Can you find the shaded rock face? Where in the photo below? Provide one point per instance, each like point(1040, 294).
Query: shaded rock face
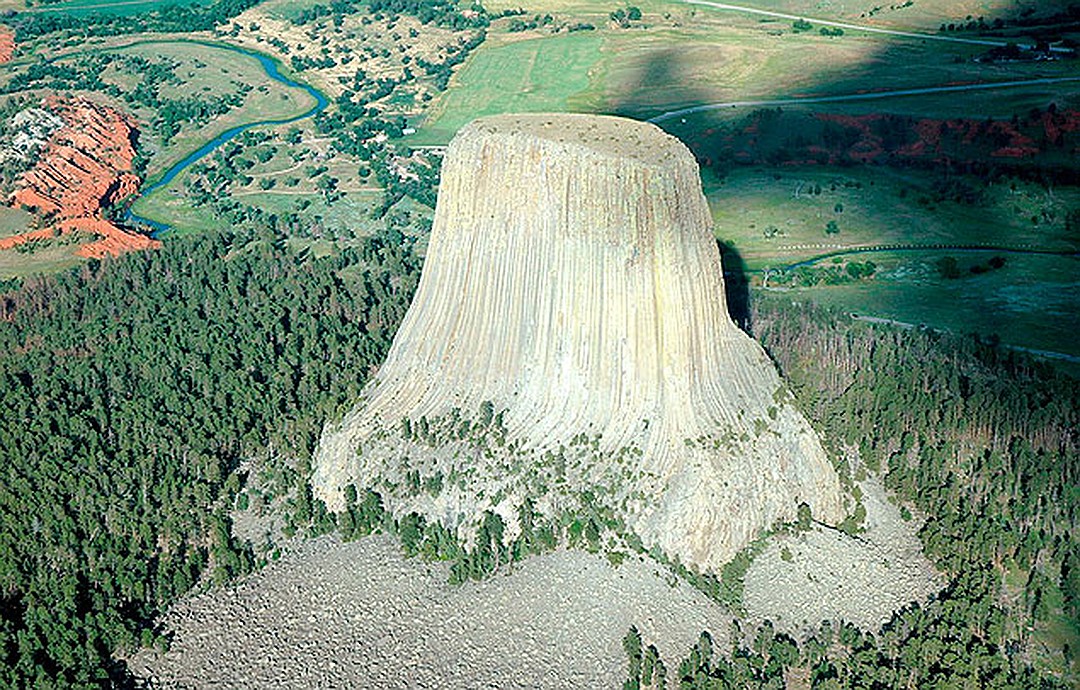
point(572, 285)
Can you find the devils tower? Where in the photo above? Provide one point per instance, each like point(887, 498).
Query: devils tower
point(569, 337)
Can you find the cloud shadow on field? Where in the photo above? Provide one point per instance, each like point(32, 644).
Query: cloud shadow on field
point(884, 63)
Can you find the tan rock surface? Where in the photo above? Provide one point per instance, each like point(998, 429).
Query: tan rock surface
point(572, 280)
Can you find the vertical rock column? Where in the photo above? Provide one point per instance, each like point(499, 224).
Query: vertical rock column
point(572, 280)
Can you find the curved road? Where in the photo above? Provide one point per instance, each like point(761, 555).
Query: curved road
point(1025, 249)
point(89, 6)
point(863, 28)
point(859, 96)
point(1048, 354)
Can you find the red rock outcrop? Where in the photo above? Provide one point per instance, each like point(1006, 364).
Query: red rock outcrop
point(87, 165)
point(114, 240)
point(7, 44)
point(771, 137)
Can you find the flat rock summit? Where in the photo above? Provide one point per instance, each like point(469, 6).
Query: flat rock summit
point(568, 346)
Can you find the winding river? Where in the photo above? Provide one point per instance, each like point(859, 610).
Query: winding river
point(273, 70)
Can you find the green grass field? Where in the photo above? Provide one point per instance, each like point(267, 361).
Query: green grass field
point(13, 221)
point(674, 60)
point(773, 216)
point(349, 215)
point(168, 205)
point(81, 8)
point(525, 76)
point(919, 16)
point(1032, 302)
point(47, 259)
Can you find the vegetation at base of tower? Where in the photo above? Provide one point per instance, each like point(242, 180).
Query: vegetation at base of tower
point(583, 486)
point(488, 551)
point(477, 548)
point(132, 389)
point(984, 443)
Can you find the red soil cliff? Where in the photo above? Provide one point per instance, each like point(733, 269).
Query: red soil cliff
point(1045, 138)
point(86, 166)
point(7, 44)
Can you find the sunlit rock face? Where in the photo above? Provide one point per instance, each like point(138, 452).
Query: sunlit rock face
point(572, 285)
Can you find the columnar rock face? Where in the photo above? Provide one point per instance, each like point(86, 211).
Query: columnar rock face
point(573, 287)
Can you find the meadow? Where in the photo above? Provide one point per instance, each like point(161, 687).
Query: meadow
point(48, 258)
point(777, 217)
point(214, 72)
point(534, 75)
point(13, 221)
point(38, 256)
point(80, 8)
point(1030, 303)
point(774, 219)
point(347, 216)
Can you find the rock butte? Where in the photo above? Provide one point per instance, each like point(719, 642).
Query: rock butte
point(86, 166)
point(573, 282)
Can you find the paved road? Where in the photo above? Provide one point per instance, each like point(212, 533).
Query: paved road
point(867, 29)
point(873, 95)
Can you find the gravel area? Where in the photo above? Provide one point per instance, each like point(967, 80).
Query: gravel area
point(826, 574)
point(360, 614)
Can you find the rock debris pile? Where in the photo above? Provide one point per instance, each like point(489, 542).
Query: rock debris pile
point(361, 615)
